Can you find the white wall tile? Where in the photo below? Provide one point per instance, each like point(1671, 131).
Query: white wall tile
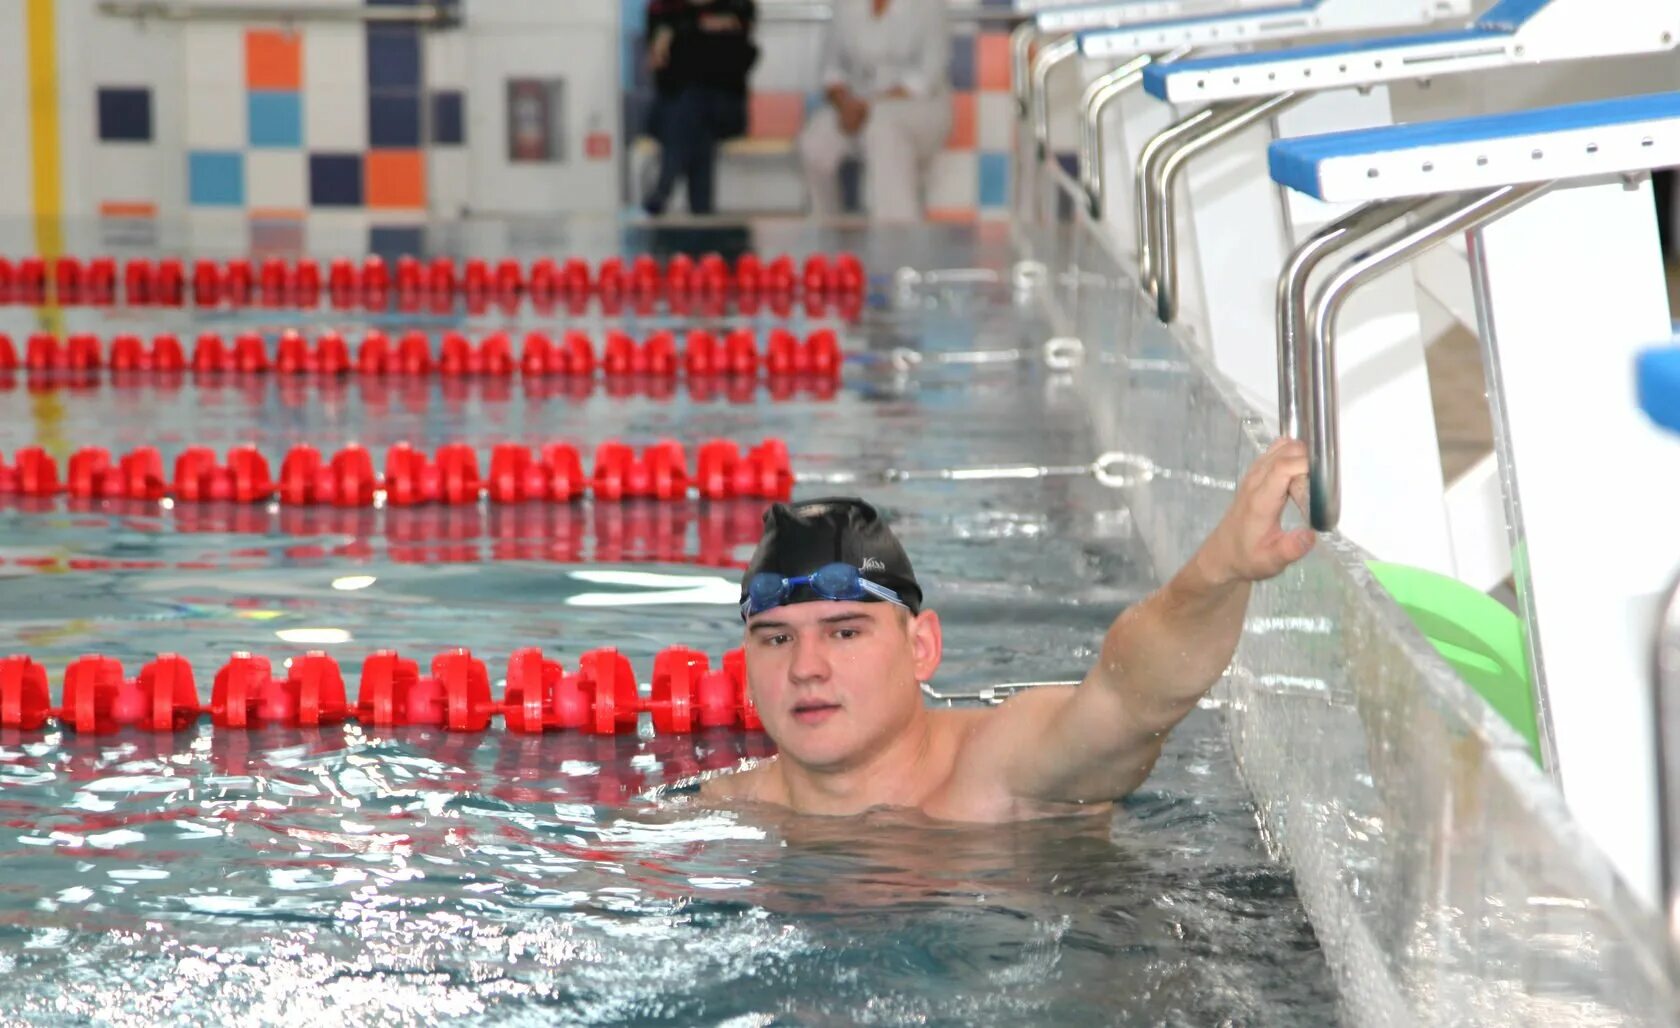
point(994, 115)
point(216, 116)
point(276, 179)
point(214, 53)
point(445, 59)
point(334, 55)
point(335, 117)
point(447, 185)
point(15, 168)
point(217, 230)
point(124, 172)
point(336, 233)
point(954, 181)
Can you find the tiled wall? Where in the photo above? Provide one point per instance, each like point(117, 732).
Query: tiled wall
point(319, 133)
point(282, 125)
point(334, 135)
point(970, 179)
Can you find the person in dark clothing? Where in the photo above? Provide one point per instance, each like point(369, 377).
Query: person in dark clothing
point(701, 52)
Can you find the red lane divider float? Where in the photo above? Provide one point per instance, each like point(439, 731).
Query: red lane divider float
point(377, 392)
point(347, 477)
point(715, 534)
point(600, 697)
point(703, 354)
point(344, 284)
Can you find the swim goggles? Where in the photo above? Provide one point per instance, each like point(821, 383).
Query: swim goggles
point(831, 581)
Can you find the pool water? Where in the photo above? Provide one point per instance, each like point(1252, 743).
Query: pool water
point(348, 875)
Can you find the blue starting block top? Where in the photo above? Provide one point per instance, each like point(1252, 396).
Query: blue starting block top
point(1659, 385)
point(1338, 65)
point(1604, 137)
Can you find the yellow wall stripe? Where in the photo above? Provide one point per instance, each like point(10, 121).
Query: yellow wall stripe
point(46, 409)
point(43, 126)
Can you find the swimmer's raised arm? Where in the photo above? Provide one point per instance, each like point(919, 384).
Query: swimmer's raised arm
point(1099, 741)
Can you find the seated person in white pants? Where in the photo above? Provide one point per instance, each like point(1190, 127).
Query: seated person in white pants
point(884, 73)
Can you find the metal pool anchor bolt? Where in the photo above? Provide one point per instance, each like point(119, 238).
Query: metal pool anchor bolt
point(1122, 470)
point(1028, 277)
point(907, 281)
point(904, 360)
point(1064, 353)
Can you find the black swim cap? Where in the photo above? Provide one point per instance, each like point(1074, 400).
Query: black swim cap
point(799, 538)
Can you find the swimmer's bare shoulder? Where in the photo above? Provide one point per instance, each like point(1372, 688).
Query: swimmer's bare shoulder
point(747, 785)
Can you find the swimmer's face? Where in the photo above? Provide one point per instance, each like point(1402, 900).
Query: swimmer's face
point(835, 682)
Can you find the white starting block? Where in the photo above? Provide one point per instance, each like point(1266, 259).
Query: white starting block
point(1139, 32)
point(1569, 289)
point(1207, 265)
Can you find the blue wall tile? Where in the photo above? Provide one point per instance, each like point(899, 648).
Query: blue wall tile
point(448, 125)
point(275, 117)
point(335, 180)
point(393, 241)
point(394, 120)
point(962, 61)
point(393, 57)
point(994, 179)
point(125, 115)
point(216, 178)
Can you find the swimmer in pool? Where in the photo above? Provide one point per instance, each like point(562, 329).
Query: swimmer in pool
point(838, 642)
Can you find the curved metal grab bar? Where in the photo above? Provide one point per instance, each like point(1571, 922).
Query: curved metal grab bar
point(1230, 120)
point(1047, 59)
point(1320, 414)
point(1328, 241)
point(1021, 40)
point(1666, 668)
point(1103, 90)
point(1159, 146)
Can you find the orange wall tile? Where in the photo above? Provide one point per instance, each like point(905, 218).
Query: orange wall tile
point(963, 130)
point(273, 60)
point(125, 209)
point(395, 178)
point(991, 61)
point(952, 214)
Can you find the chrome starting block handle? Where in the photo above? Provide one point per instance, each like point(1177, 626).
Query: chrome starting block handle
point(1045, 62)
point(1103, 91)
point(1319, 419)
point(1470, 171)
point(1292, 298)
point(1021, 41)
point(1226, 120)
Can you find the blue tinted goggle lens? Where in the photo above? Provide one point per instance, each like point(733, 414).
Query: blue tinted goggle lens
point(831, 582)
